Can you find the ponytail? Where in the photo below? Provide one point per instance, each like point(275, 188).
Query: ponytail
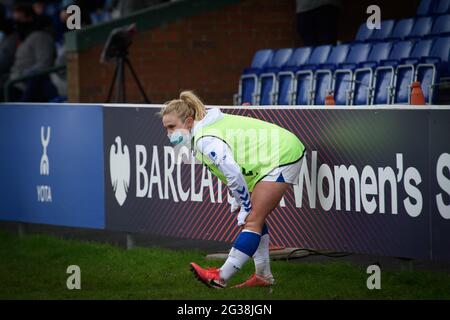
point(189, 105)
point(194, 103)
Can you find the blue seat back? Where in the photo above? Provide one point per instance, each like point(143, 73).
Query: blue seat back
point(323, 82)
point(284, 89)
point(403, 28)
point(361, 88)
point(425, 8)
point(385, 30)
point(319, 55)
point(358, 53)
point(441, 50)
point(426, 78)
point(299, 56)
point(341, 86)
point(363, 33)
point(303, 88)
point(248, 89)
point(279, 58)
point(381, 86)
point(422, 48)
point(266, 88)
point(402, 85)
point(441, 7)
point(441, 25)
point(422, 27)
point(262, 58)
point(401, 49)
point(380, 51)
point(338, 54)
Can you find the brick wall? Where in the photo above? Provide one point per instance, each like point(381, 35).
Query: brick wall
point(207, 52)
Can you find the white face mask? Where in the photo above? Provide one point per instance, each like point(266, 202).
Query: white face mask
point(180, 137)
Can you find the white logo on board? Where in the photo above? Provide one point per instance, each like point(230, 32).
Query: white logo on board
point(45, 140)
point(119, 168)
point(44, 192)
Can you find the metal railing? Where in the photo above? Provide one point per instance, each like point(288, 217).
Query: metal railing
point(8, 85)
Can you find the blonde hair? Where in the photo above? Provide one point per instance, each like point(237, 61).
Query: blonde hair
point(188, 105)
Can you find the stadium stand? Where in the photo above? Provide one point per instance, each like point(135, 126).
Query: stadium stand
point(266, 91)
point(286, 76)
point(378, 67)
point(249, 82)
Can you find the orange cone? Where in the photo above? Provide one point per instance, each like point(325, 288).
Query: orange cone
point(417, 97)
point(329, 100)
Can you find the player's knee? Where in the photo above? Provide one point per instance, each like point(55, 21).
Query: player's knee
point(254, 225)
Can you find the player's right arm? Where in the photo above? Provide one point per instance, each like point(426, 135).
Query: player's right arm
point(222, 157)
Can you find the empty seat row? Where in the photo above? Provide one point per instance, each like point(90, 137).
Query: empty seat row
point(357, 73)
point(405, 29)
point(433, 7)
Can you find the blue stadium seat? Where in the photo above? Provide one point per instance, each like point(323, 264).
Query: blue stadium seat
point(304, 77)
point(404, 74)
point(286, 76)
point(402, 29)
point(248, 83)
point(363, 75)
point(400, 50)
point(380, 51)
point(383, 82)
point(384, 32)
point(268, 78)
point(422, 27)
point(441, 25)
point(433, 67)
point(440, 7)
point(425, 8)
point(323, 76)
point(343, 76)
point(363, 33)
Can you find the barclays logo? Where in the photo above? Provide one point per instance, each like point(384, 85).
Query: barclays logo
point(119, 168)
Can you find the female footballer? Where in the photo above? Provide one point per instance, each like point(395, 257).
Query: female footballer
point(216, 140)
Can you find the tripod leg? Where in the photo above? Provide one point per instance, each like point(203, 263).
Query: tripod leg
point(141, 88)
point(111, 87)
point(120, 80)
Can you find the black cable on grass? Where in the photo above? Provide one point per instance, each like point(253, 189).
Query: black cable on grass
point(311, 251)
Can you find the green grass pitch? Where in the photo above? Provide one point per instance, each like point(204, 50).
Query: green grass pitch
point(34, 267)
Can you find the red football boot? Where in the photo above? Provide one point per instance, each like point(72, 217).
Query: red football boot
point(256, 281)
point(210, 276)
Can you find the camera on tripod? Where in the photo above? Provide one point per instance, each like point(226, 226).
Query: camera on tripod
point(116, 48)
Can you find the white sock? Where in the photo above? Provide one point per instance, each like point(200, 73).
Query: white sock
point(236, 259)
point(262, 257)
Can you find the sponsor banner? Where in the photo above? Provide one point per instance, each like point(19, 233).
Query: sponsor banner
point(51, 165)
point(373, 181)
point(439, 155)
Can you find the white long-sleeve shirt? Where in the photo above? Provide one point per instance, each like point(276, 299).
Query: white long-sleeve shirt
point(221, 155)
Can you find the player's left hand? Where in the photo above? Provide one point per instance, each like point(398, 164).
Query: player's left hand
point(243, 213)
point(234, 205)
